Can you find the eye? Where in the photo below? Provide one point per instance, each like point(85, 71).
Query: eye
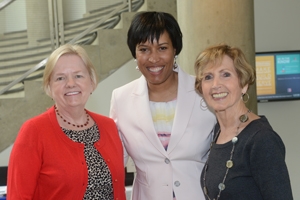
point(207, 77)
point(226, 74)
point(163, 48)
point(60, 78)
point(142, 49)
point(78, 76)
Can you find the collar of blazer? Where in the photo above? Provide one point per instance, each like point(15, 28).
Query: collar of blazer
point(186, 100)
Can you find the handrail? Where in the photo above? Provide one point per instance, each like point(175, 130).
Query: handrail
point(73, 41)
point(5, 3)
point(18, 80)
point(93, 26)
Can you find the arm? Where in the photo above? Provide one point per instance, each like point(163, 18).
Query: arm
point(24, 164)
point(114, 115)
point(268, 166)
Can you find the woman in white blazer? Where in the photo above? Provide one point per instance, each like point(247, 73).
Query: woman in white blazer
point(159, 116)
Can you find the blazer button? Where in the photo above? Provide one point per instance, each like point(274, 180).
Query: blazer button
point(177, 183)
point(167, 161)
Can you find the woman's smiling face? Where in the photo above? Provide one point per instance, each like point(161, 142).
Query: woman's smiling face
point(220, 85)
point(70, 83)
point(155, 60)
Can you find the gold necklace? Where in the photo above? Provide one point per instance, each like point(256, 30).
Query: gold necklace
point(78, 126)
point(229, 163)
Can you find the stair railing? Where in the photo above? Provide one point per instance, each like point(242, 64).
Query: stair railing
point(73, 41)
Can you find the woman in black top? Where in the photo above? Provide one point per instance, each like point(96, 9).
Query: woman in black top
point(247, 157)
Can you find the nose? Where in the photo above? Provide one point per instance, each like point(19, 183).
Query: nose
point(216, 84)
point(154, 57)
point(70, 82)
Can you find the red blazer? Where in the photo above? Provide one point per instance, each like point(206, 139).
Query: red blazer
point(46, 164)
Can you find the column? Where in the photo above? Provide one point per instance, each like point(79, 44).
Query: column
point(209, 22)
point(37, 20)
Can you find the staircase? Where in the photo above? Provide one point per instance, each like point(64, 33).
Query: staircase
point(106, 47)
point(16, 57)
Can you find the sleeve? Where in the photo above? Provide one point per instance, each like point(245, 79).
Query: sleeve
point(24, 163)
point(267, 160)
point(114, 115)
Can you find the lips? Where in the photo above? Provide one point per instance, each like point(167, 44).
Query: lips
point(72, 93)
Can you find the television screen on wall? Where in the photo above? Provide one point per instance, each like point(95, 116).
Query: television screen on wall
point(278, 76)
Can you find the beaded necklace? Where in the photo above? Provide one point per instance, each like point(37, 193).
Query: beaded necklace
point(229, 163)
point(78, 126)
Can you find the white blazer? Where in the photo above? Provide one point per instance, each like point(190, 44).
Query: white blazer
point(159, 172)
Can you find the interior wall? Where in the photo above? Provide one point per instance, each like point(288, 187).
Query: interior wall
point(73, 10)
point(277, 28)
point(14, 17)
point(96, 4)
point(99, 101)
point(2, 20)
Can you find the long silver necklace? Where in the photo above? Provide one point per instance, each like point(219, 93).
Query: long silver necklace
point(229, 163)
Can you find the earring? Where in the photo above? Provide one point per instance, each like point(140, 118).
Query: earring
point(137, 67)
point(247, 97)
point(175, 64)
point(203, 105)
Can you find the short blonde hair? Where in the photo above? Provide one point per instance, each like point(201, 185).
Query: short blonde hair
point(214, 55)
point(68, 49)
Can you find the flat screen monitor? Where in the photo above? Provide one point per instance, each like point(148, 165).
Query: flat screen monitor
point(278, 76)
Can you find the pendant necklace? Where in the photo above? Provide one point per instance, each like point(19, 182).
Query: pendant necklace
point(229, 163)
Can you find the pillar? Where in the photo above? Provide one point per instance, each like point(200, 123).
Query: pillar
point(205, 23)
point(37, 20)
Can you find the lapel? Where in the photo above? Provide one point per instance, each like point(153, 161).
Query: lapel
point(142, 108)
point(185, 103)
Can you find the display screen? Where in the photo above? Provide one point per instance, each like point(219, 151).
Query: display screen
point(278, 76)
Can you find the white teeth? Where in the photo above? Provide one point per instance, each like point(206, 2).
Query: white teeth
point(219, 95)
point(72, 93)
point(155, 69)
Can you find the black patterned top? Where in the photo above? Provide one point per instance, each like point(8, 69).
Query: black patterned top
point(99, 178)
